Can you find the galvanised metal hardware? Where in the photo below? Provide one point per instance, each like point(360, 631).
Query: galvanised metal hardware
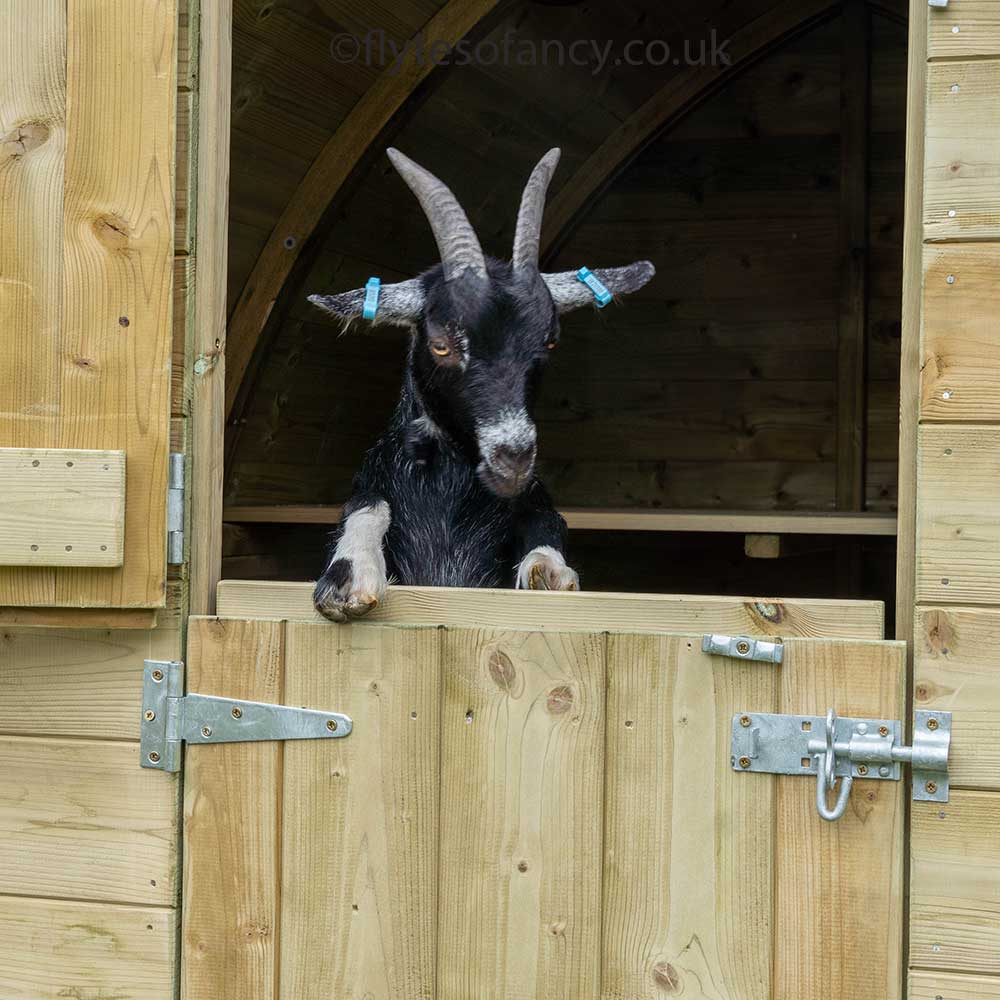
point(170, 718)
point(175, 510)
point(743, 647)
point(832, 748)
point(937, 3)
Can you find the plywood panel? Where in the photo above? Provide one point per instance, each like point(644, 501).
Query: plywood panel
point(579, 610)
point(960, 348)
point(958, 519)
point(962, 172)
point(61, 507)
point(978, 30)
point(688, 866)
point(86, 682)
point(232, 822)
point(955, 884)
point(522, 760)
point(60, 950)
point(361, 919)
point(81, 819)
point(942, 985)
point(956, 670)
point(825, 871)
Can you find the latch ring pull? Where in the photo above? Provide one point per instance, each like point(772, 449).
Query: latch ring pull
point(825, 812)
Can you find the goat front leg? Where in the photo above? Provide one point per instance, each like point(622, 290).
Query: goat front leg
point(541, 536)
point(354, 581)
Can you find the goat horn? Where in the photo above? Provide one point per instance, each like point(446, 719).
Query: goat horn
point(529, 219)
point(456, 239)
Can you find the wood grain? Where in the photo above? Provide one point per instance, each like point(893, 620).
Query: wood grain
point(962, 171)
point(934, 985)
point(824, 871)
point(955, 884)
point(232, 822)
point(958, 521)
point(688, 854)
point(54, 950)
point(361, 920)
point(522, 760)
point(955, 670)
point(81, 819)
point(960, 348)
point(978, 23)
point(61, 507)
point(559, 611)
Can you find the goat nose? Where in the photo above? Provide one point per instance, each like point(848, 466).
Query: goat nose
point(513, 462)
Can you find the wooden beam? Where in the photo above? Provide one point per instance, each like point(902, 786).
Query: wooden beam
point(681, 94)
point(757, 546)
point(331, 168)
point(633, 519)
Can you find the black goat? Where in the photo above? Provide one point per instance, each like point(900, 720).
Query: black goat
point(448, 496)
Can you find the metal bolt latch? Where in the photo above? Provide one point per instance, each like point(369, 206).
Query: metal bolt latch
point(743, 647)
point(832, 748)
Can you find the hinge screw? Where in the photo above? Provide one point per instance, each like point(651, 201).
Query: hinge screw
point(932, 724)
point(157, 675)
point(744, 721)
point(743, 647)
point(884, 771)
point(744, 761)
point(206, 732)
point(931, 787)
point(883, 730)
point(331, 724)
point(149, 715)
point(154, 757)
point(237, 712)
point(862, 769)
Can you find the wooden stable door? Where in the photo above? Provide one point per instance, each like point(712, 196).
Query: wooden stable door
point(532, 815)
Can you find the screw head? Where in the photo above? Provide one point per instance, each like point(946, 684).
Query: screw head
point(743, 647)
point(884, 771)
point(157, 675)
point(149, 715)
point(744, 721)
point(862, 728)
point(931, 787)
point(744, 762)
point(206, 732)
point(932, 724)
point(883, 730)
point(153, 757)
point(862, 769)
point(331, 724)
point(237, 712)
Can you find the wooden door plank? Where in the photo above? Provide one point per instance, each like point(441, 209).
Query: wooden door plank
point(839, 906)
point(938, 985)
point(960, 344)
point(978, 34)
point(522, 759)
point(81, 819)
point(232, 822)
point(958, 519)
point(962, 171)
point(688, 869)
point(955, 884)
point(559, 611)
point(60, 950)
point(956, 670)
point(360, 828)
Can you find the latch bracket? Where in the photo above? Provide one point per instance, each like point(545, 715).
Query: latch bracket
point(743, 647)
point(830, 748)
point(170, 718)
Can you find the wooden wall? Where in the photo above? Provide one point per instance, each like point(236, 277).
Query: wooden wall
point(955, 884)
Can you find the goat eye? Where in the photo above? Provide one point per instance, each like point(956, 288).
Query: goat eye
point(441, 348)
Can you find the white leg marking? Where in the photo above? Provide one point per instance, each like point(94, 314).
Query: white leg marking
point(360, 545)
point(549, 570)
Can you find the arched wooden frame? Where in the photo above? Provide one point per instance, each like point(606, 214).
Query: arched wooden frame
point(352, 141)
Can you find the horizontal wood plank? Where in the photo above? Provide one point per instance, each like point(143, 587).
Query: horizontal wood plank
point(82, 819)
point(958, 518)
point(963, 30)
point(956, 670)
point(61, 507)
point(955, 884)
point(624, 519)
point(545, 610)
point(960, 344)
point(55, 950)
point(122, 618)
point(952, 986)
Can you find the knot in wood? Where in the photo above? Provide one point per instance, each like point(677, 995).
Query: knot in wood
point(666, 977)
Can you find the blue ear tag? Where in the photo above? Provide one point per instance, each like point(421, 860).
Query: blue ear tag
point(372, 289)
point(601, 295)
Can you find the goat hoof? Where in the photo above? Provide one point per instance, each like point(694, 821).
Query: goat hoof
point(349, 589)
point(360, 604)
point(547, 570)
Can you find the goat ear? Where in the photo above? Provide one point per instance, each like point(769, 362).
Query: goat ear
point(399, 304)
point(569, 292)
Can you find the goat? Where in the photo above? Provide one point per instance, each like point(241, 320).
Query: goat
point(448, 495)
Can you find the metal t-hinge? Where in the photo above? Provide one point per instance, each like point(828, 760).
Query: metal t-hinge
point(170, 718)
point(743, 647)
point(832, 748)
point(175, 510)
